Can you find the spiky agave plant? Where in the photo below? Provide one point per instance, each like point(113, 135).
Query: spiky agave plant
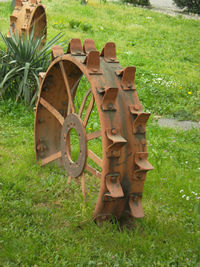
point(21, 64)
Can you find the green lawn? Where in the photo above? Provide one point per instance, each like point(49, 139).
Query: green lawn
point(46, 222)
point(164, 49)
point(43, 221)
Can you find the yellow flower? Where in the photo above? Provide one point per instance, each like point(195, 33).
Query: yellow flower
point(189, 93)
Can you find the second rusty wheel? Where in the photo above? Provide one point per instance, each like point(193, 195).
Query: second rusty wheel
point(77, 86)
point(29, 14)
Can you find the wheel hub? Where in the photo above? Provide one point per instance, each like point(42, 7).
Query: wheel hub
point(76, 168)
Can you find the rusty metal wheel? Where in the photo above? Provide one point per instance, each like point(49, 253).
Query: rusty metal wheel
point(78, 85)
point(26, 15)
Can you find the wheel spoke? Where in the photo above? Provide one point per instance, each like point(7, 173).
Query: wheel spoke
point(93, 135)
point(52, 110)
point(67, 86)
point(75, 85)
point(69, 180)
point(95, 158)
point(93, 171)
point(83, 103)
point(89, 109)
point(51, 158)
point(72, 92)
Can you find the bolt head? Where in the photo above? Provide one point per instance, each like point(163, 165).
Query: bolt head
point(114, 131)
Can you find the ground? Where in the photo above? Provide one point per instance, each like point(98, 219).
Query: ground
point(167, 4)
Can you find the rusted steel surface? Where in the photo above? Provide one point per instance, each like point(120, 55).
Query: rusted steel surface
point(124, 161)
point(26, 15)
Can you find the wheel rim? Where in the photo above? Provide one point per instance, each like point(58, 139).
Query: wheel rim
point(124, 154)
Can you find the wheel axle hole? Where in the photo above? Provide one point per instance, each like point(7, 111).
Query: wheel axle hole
point(73, 145)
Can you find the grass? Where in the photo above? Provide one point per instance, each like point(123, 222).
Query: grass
point(43, 221)
point(47, 223)
point(164, 49)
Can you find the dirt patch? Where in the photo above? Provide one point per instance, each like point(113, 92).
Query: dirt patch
point(169, 8)
point(167, 4)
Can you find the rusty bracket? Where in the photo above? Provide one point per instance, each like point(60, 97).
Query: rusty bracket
point(56, 51)
point(88, 46)
point(140, 170)
point(109, 53)
point(23, 29)
point(114, 187)
point(139, 124)
point(128, 78)
point(135, 204)
point(92, 62)
point(142, 162)
point(18, 3)
point(109, 98)
point(28, 10)
point(117, 140)
point(13, 18)
point(75, 47)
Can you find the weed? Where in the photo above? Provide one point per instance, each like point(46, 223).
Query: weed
point(21, 64)
point(85, 27)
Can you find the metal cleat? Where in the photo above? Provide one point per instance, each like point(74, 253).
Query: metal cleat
point(113, 184)
point(128, 78)
point(75, 47)
point(89, 46)
point(56, 51)
point(109, 98)
point(109, 53)
point(92, 62)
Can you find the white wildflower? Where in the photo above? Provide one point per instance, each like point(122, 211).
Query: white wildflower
point(187, 198)
point(183, 196)
point(128, 53)
point(181, 191)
